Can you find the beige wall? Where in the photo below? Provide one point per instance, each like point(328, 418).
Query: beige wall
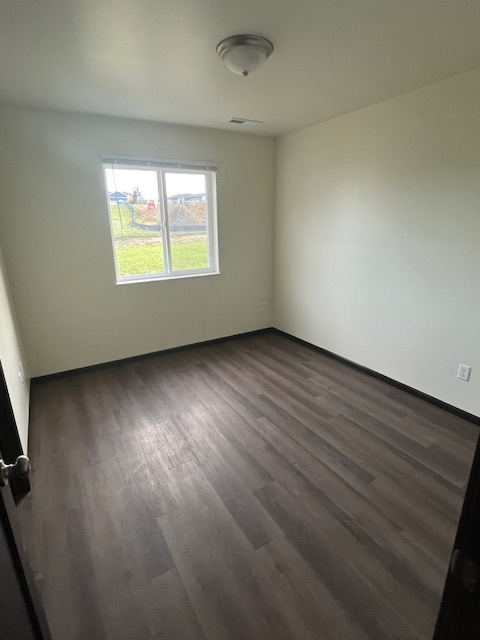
point(378, 237)
point(11, 355)
point(58, 249)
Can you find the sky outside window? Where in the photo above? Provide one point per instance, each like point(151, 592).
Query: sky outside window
point(146, 181)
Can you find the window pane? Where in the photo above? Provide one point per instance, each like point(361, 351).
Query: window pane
point(187, 201)
point(136, 221)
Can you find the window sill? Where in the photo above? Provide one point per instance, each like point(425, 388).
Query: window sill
point(164, 278)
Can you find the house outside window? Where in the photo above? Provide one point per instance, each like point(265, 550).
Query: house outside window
point(162, 218)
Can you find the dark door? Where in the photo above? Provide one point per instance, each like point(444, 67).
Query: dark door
point(459, 617)
point(14, 618)
point(21, 612)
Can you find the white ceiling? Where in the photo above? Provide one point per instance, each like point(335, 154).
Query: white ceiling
point(156, 59)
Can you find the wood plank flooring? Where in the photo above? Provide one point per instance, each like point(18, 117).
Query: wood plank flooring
point(249, 490)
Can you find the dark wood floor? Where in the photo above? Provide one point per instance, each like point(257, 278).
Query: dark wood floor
point(249, 490)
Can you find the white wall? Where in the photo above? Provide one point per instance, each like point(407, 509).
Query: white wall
point(58, 249)
point(378, 237)
point(11, 354)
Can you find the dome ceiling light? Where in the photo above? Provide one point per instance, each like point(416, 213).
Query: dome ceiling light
point(245, 53)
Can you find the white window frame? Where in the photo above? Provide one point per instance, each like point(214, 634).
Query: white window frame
point(161, 167)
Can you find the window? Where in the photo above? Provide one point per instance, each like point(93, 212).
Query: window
point(162, 218)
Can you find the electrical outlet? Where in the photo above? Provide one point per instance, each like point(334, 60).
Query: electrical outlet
point(21, 373)
point(463, 372)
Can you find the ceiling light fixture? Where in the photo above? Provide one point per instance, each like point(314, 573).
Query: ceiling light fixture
point(245, 53)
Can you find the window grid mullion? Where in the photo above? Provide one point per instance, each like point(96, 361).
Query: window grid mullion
point(162, 203)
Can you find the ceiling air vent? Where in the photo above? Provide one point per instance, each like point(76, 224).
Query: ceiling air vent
point(246, 122)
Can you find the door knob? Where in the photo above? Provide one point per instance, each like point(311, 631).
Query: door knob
point(21, 469)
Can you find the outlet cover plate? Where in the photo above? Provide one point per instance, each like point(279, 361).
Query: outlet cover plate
point(463, 372)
